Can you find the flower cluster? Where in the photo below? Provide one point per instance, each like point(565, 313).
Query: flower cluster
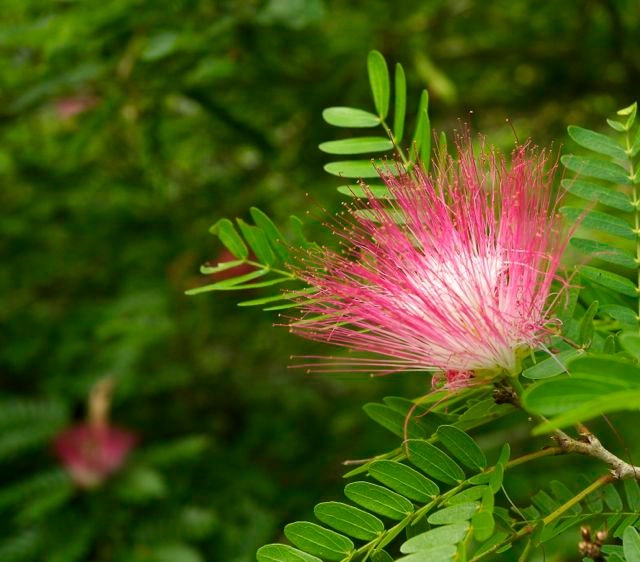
point(451, 272)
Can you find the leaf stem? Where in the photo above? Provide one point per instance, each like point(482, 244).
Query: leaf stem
point(636, 206)
point(602, 481)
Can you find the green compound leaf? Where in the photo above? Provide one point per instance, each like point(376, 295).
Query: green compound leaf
point(635, 147)
point(283, 553)
point(349, 520)
point(600, 221)
point(558, 395)
point(229, 236)
point(442, 553)
point(630, 342)
point(258, 242)
point(433, 462)
point(617, 371)
point(610, 280)
point(208, 270)
point(448, 534)
point(604, 252)
point(626, 316)
point(422, 137)
point(394, 421)
point(379, 82)
point(483, 525)
point(379, 500)
point(632, 491)
point(564, 495)
point(350, 117)
point(469, 495)
point(616, 125)
point(598, 193)
point(357, 145)
point(586, 329)
point(462, 447)
point(234, 283)
point(631, 544)
point(611, 402)
point(359, 168)
point(404, 480)
point(275, 237)
point(630, 112)
point(600, 169)
point(597, 142)
point(400, 110)
point(551, 366)
point(381, 556)
point(454, 514)
point(612, 498)
point(317, 540)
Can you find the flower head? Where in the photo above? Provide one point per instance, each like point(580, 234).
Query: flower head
point(452, 272)
point(92, 453)
point(94, 450)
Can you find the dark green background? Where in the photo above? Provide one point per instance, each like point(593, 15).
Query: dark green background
point(200, 110)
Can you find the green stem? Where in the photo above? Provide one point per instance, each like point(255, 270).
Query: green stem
point(602, 481)
point(549, 451)
point(396, 146)
point(636, 205)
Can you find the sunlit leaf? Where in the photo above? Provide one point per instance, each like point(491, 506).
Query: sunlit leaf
point(394, 421)
point(208, 270)
point(605, 252)
point(349, 520)
point(379, 82)
point(404, 480)
point(600, 221)
point(258, 242)
point(400, 109)
point(317, 540)
point(612, 281)
point(378, 499)
point(229, 236)
point(283, 553)
point(626, 316)
point(434, 462)
point(229, 284)
point(606, 402)
point(462, 447)
point(454, 514)
point(272, 232)
point(600, 169)
point(422, 137)
point(632, 491)
point(448, 534)
point(442, 553)
point(358, 145)
point(597, 142)
point(483, 525)
point(360, 168)
point(350, 117)
point(599, 193)
point(551, 366)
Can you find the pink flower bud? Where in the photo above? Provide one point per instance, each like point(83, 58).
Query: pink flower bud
point(91, 453)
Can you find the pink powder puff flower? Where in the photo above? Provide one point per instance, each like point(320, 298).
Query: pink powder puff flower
point(91, 453)
point(452, 272)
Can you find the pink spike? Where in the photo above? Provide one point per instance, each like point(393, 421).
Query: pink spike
point(462, 284)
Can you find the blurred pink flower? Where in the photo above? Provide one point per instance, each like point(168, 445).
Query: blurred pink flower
point(73, 105)
point(91, 453)
point(451, 273)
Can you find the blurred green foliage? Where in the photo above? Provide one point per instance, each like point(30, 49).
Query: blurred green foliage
point(127, 128)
